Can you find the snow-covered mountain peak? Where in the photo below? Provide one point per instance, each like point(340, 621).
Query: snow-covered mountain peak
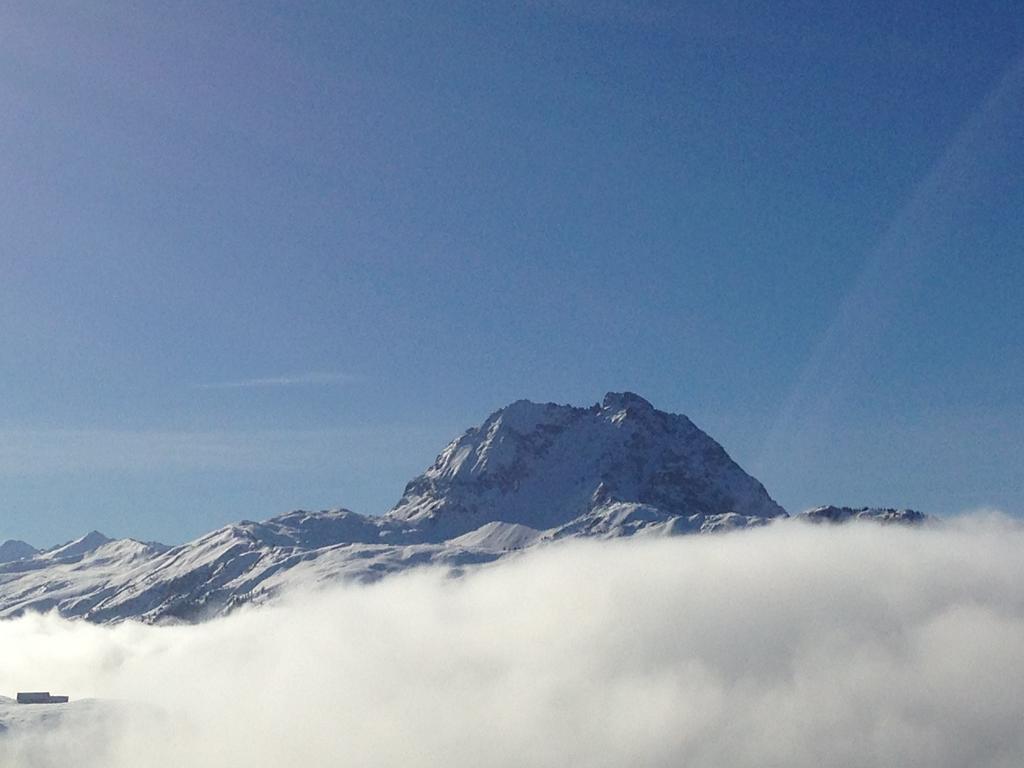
point(522, 416)
point(544, 465)
point(14, 549)
point(80, 546)
point(625, 401)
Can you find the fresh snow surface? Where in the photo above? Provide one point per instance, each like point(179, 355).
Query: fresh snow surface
point(531, 473)
point(499, 536)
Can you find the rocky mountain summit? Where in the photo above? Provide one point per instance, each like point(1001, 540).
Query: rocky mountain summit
point(581, 471)
point(531, 473)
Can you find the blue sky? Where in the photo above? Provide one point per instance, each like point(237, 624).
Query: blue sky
point(261, 256)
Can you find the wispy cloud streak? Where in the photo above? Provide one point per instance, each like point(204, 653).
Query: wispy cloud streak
point(290, 380)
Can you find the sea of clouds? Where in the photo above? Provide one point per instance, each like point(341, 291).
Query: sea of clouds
point(793, 645)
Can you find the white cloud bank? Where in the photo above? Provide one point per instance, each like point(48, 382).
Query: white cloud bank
point(787, 646)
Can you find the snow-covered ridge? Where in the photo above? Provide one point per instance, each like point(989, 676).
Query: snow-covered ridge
point(531, 473)
point(831, 514)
